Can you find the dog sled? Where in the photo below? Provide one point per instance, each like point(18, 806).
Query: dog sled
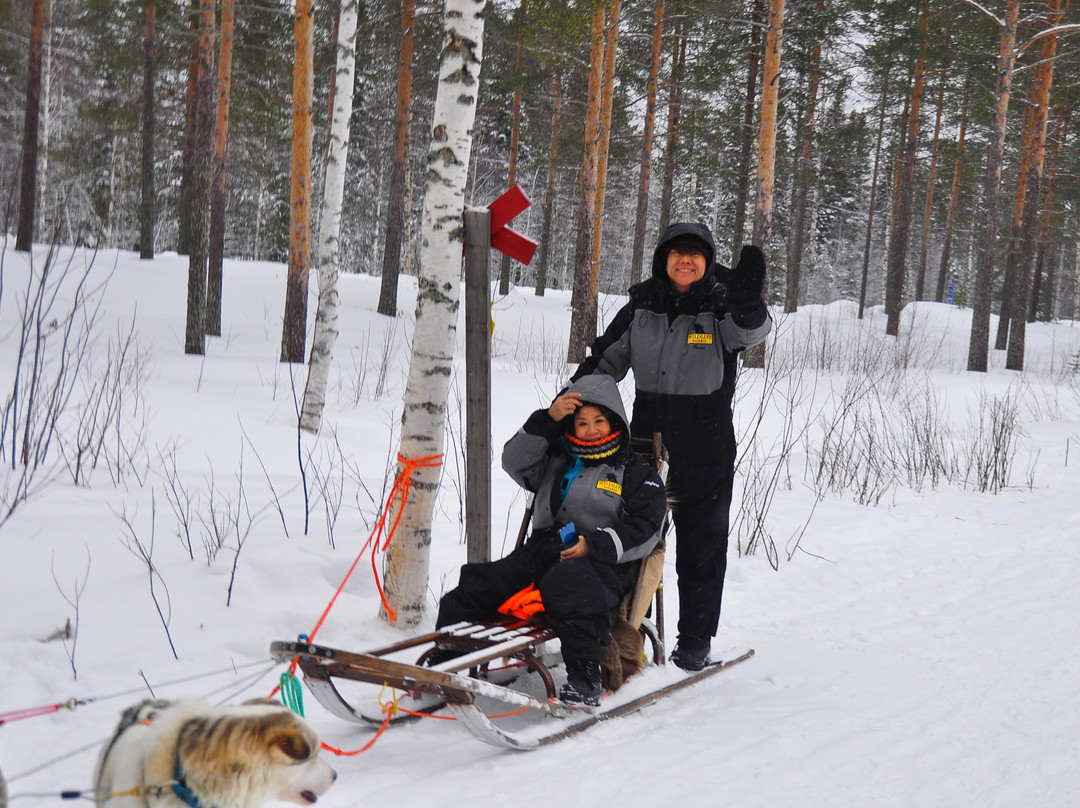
point(498, 677)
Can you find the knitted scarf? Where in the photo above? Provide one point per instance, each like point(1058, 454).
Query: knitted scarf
point(594, 450)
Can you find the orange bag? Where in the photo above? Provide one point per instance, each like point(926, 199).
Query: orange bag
point(523, 604)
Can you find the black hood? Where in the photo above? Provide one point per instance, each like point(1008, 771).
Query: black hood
point(681, 230)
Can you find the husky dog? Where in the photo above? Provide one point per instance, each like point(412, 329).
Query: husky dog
point(171, 754)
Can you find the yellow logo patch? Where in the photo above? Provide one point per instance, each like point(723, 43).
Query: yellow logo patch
point(699, 339)
point(610, 485)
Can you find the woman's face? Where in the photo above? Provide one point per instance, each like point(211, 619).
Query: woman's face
point(685, 265)
point(590, 423)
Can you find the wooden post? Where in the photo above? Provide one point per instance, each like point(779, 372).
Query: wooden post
point(477, 385)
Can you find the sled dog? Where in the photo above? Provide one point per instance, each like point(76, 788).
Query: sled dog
point(172, 754)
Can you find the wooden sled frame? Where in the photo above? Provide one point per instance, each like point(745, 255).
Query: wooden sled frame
point(487, 655)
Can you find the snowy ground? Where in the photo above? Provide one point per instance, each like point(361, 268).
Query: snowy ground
point(923, 651)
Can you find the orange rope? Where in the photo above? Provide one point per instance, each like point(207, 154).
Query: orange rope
point(400, 489)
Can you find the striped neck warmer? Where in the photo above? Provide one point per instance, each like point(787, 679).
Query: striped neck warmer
point(597, 450)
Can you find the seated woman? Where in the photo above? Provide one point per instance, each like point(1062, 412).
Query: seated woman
point(575, 457)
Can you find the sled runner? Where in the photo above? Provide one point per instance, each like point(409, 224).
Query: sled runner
point(470, 666)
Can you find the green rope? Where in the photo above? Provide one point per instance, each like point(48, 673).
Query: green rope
point(291, 693)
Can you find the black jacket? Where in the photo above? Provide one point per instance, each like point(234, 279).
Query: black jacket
point(682, 349)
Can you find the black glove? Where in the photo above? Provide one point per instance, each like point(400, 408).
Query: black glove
point(746, 281)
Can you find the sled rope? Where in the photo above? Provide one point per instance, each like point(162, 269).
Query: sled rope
point(137, 791)
point(34, 712)
point(399, 490)
point(388, 709)
point(291, 694)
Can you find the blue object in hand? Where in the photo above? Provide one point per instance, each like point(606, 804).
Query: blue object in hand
point(568, 534)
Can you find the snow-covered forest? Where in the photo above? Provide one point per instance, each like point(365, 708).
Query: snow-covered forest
point(903, 546)
point(851, 73)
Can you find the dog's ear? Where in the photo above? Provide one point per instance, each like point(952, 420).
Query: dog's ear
point(273, 702)
point(294, 743)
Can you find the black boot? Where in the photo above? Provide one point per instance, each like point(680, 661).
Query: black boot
point(584, 684)
point(691, 653)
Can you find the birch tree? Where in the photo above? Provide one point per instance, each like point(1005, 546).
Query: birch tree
point(327, 256)
point(423, 419)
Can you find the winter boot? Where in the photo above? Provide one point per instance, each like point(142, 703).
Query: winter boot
point(584, 684)
point(691, 653)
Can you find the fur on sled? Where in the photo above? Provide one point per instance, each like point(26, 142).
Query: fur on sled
point(624, 656)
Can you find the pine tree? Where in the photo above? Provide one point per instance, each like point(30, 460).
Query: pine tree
point(24, 238)
point(294, 326)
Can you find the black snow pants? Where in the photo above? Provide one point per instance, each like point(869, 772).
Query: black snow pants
point(699, 510)
point(578, 594)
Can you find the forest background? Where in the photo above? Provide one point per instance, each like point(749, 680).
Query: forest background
point(885, 119)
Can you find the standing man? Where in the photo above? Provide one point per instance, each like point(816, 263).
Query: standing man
point(680, 333)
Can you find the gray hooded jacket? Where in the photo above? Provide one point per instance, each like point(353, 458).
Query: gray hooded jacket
point(618, 503)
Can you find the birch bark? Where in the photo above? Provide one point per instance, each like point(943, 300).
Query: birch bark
point(328, 256)
point(423, 417)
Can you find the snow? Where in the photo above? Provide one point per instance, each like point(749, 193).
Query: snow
point(922, 651)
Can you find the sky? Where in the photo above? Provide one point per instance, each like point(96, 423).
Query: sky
point(916, 640)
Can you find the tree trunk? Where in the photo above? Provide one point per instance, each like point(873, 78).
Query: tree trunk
point(147, 201)
point(802, 179)
point(24, 238)
point(184, 211)
point(678, 69)
point(766, 168)
point(328, 256)
point(294, 327)
point(982, 294)
point(954, 197)
point(217, 197)
point(897, 272)
point(199, 216)
point(1042, 294)
point(742, 180)
point(515, 134)
point(1040, 104)
point(423, 419)
point(928, 207)
point(395, 208)
point(549, 189)
point(611, 40)
point(582, 329)
point(873, 194)
point(770, 95)
point(637, 256)
point(1009, 306)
